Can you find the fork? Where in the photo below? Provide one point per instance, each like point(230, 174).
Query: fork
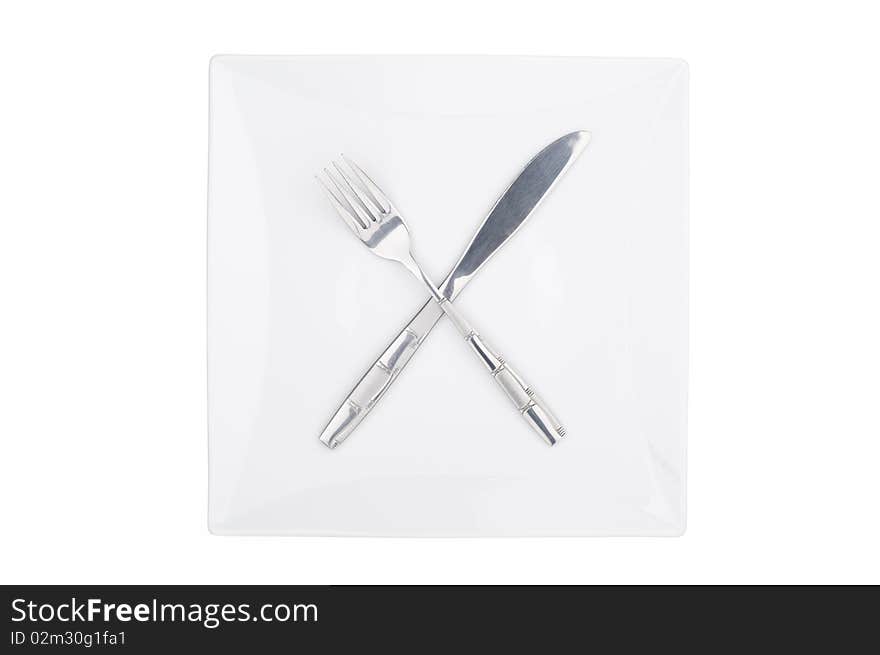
point(377, 223)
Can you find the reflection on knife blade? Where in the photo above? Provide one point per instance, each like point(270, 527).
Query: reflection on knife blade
point(514, 206)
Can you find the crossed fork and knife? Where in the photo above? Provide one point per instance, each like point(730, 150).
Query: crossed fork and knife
point(374, 219)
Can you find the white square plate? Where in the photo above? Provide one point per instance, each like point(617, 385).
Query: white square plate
point(589, 299)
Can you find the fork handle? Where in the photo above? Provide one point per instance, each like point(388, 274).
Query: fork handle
point(530, 406)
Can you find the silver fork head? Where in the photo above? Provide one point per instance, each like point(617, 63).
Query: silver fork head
point(366, 210)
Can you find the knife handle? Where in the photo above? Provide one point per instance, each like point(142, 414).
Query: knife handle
point(379, 377)
point(532, 408)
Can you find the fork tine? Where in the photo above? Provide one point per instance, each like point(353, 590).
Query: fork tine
point(347, 216)
point(375, 193)
point(362, 197)
point(355, 205)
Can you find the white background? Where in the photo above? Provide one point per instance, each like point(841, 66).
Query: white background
point(103, 142)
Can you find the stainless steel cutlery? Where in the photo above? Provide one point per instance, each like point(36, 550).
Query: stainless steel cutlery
point(372, 217)
point(505, 218)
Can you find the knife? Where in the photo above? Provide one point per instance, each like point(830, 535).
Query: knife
point(512, 209)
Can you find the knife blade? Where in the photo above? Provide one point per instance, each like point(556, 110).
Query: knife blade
point(511, 210)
